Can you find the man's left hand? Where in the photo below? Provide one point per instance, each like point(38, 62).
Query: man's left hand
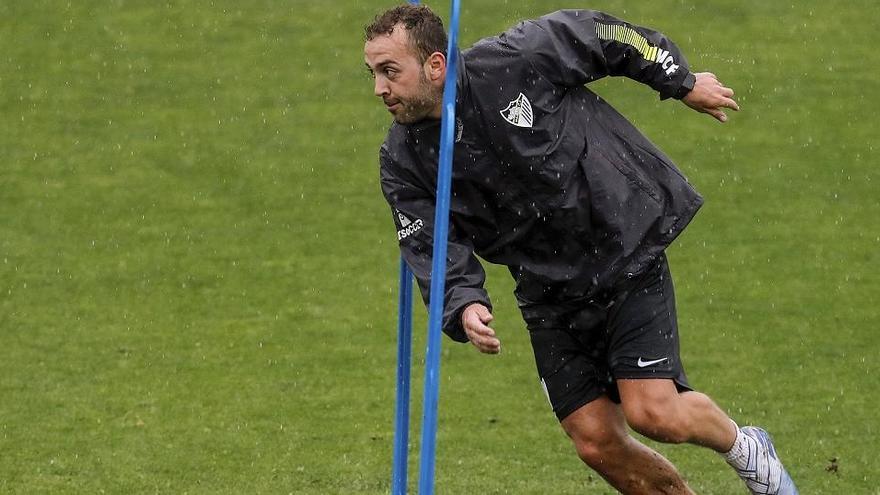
point(710, 96)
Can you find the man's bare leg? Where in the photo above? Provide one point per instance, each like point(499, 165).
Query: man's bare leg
point(655, 408)
point(600, 436)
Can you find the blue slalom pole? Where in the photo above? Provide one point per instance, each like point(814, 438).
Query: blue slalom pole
point(438, 267)
point(404, 365)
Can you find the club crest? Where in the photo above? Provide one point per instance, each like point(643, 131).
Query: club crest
point(519, 112)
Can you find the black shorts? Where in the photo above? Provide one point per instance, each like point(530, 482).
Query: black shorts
point(582, 348)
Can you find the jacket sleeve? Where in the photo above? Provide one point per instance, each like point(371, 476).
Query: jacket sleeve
point(574, 47)
point(412, 207)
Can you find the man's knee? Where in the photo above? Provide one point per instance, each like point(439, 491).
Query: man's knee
point(598, 445)
point(598, 433)
point(660, 421)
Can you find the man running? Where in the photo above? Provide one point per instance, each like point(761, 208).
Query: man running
point(551, 181)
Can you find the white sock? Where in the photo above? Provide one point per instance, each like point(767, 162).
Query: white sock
point(744, 449)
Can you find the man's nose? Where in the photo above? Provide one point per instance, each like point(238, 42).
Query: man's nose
point(381, 86)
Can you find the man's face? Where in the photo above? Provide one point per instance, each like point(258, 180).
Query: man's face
point(400, 78)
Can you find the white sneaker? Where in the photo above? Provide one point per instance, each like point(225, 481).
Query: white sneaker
point(765, 474)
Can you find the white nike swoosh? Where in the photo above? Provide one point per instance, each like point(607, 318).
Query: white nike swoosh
point(642, 364)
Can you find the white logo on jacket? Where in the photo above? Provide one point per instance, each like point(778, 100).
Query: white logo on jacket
point(666, 61)
point(408, 227)
point(519, 112)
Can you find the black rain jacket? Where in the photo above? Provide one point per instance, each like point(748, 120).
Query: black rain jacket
point(548, 179)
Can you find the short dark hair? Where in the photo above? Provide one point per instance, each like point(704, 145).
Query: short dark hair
point(424, 27)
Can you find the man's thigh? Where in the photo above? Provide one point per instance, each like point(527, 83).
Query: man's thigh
point(569, 355)
point(581, 350)
point(642, 330)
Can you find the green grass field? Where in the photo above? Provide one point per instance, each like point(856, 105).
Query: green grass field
point(198, 271)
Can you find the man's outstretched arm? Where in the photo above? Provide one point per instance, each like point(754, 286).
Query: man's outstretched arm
point(573, 47)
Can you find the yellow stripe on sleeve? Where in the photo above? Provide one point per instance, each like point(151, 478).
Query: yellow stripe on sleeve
point(628, 36)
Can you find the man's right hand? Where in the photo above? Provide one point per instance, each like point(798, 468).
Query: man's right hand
point(475, 320)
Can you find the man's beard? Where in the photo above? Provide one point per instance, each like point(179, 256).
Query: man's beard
point(421, 104)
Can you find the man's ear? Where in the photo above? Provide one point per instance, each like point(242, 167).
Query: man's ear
point(435, 68)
